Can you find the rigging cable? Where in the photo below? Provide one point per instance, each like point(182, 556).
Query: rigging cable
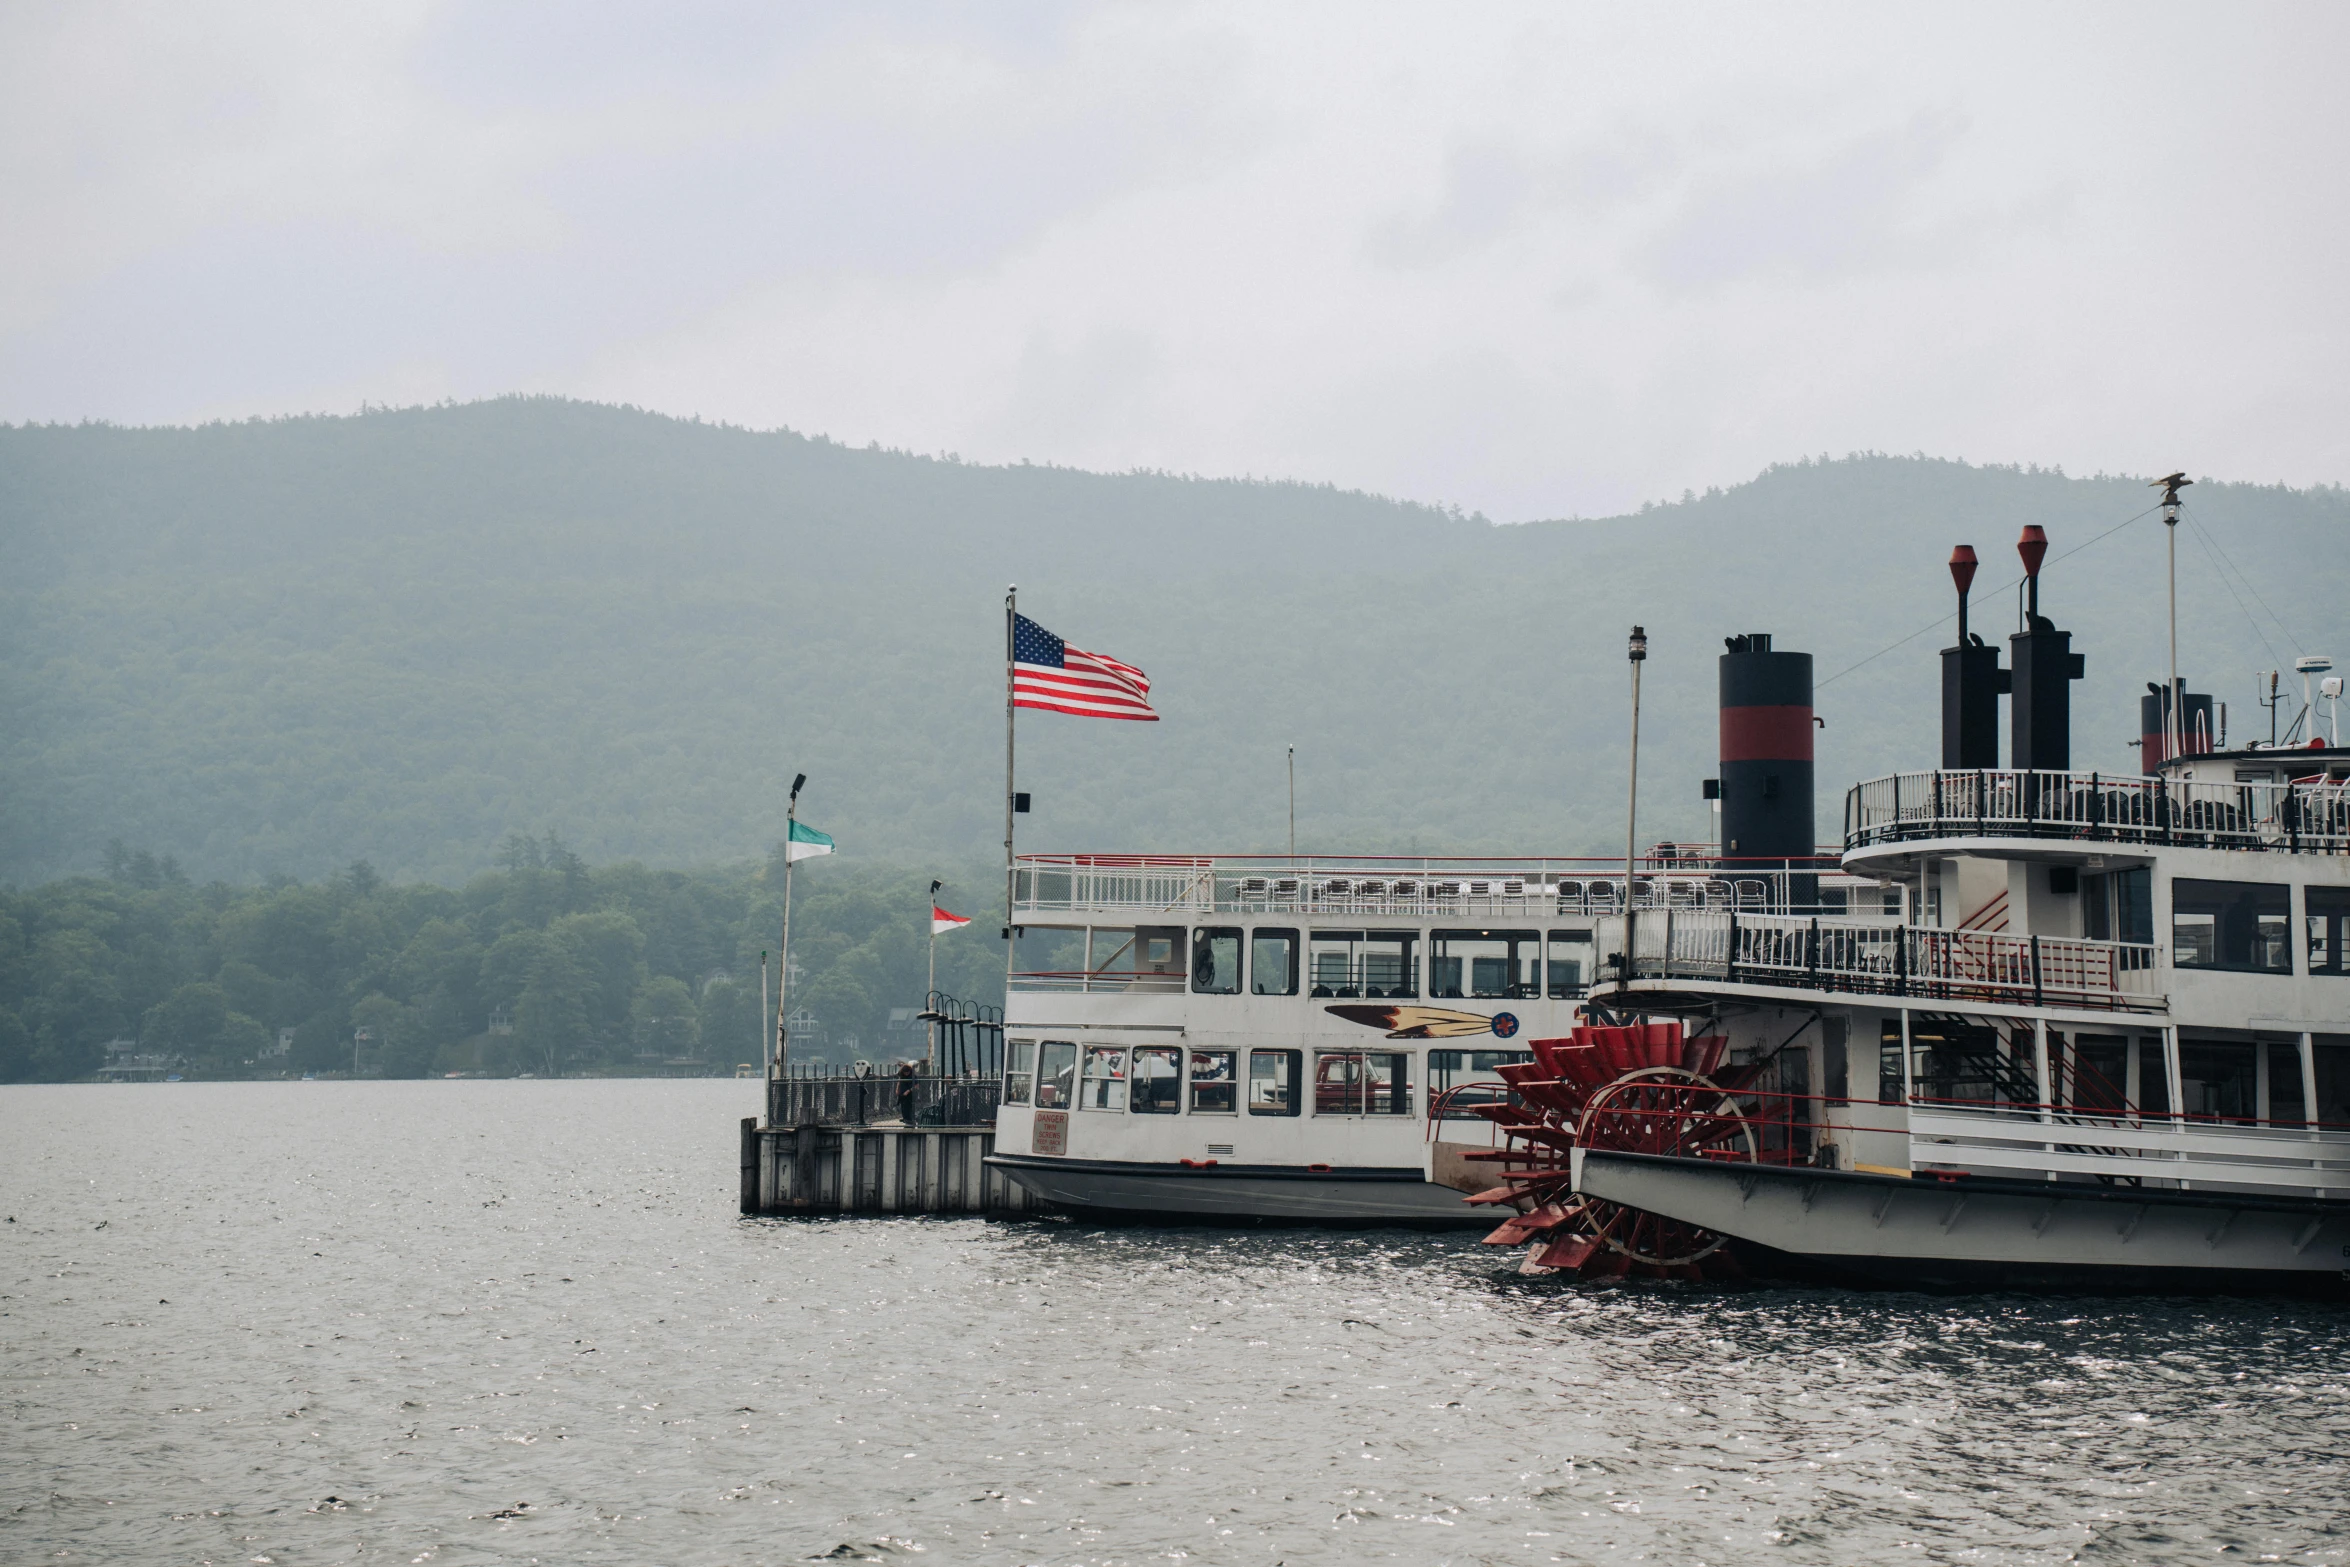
point(2203, 536)
point(2211, 542)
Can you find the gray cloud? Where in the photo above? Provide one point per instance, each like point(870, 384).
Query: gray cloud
point(1529, 259)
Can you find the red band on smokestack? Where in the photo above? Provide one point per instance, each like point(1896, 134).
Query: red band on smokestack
point(1962, 566)
point(2033, 547)
point(1766, 734)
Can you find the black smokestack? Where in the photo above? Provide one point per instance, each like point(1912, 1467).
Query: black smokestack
point(1766, 755)
point(2042, 668)
point(1971, 683)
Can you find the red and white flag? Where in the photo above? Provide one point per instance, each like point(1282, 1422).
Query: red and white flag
point(1048, 673)
point(941, 921)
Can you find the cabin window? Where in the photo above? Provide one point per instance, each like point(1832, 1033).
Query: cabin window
point(1211, 1082)
point(2326, 914)
point(1158, 1080)
point(2221, 1079)
point(1272, 963)
point(1957, 1061)
point(1379, 964)
point(1462, 1078)
point(1019, 1071)
point(2119, 906)
point(1272, 1081)
point(2099, 1074)
point(1362, 1082)
point(2152, 1075)
point(1104, 1085)
point(1488, 965)
point(2238, 926)
point(1056, 1075)
point(1570, 964)
point(2285, 1104)
point(1215, 962)
point(2330, 1061)
point(1109, 958)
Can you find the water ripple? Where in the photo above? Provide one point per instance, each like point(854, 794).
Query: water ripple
point(456, 1323)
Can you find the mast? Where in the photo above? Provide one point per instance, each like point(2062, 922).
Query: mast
point(930, 993)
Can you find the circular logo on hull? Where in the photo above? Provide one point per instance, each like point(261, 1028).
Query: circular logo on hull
point(1505, 1024)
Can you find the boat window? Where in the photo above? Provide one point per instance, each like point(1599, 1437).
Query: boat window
point(1378, 963)
point(1272, 963)
point(1019, 1070)
point(1463, 1078)
point(2327, 916)
point(1215, 962)
point(2234, 925)
point(2098, 1074)
point(1964, 1062)
point(2221, 1079)
point(2330, 1057)
point(1570, 964)
point(2118, 906)
point(1211, 1082)
point(1104, 1086)
point(1158, 1080)
point(2153, 1075)
point(1362, 1082)
point(1338, 1083)
point(1109, 957)
point(1490, 965)
point(1272, 1081)
point(2285, 1105)
point(1056, 1075)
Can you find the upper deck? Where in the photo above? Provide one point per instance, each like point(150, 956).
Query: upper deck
point(2096, 812)
point(1076, 889)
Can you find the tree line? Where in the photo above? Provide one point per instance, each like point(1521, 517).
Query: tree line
point(545, 965)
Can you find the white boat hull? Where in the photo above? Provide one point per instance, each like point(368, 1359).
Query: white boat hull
point(1977, 1233)
point(1240, 1193)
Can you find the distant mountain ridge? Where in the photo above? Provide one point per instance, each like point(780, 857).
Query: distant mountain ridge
point(273, 647)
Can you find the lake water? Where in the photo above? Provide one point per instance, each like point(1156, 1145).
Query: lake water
point(512, 1322)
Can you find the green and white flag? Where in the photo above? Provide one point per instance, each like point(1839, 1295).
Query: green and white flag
point(806, 843)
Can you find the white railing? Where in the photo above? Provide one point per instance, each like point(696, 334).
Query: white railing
point(1139, 886)
point(2308, 817)
point(1873, 957)
point(1983, 1140)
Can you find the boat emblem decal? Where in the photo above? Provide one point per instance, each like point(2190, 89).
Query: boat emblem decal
point(1426, 1022)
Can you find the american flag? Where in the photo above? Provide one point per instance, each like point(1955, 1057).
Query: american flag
point(1048, 673)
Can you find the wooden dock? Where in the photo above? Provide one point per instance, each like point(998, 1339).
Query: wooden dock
point(831, 1169)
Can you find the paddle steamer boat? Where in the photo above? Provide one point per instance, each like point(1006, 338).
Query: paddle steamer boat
point(2105, 1042)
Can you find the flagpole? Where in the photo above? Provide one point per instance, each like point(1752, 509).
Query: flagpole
point(1011, 620)
point(930, 995)
point(791, 815)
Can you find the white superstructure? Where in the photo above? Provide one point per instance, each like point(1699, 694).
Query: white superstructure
point(1256, 1038)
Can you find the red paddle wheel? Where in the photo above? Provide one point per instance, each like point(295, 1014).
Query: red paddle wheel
point(1638, 1089)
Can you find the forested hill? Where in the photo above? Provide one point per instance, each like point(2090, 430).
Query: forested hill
point(273, 648)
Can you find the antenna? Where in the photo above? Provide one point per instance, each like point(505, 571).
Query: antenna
point(2307, 666)
point(2170, 485)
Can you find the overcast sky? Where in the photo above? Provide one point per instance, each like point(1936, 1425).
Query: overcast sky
point(1536, 261)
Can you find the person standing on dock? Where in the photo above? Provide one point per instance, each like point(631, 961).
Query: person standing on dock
point(906, 1093)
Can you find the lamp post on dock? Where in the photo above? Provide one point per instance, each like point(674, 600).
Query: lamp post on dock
point(1637, 652)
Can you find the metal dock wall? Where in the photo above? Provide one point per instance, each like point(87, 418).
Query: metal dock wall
point(873, 1169)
